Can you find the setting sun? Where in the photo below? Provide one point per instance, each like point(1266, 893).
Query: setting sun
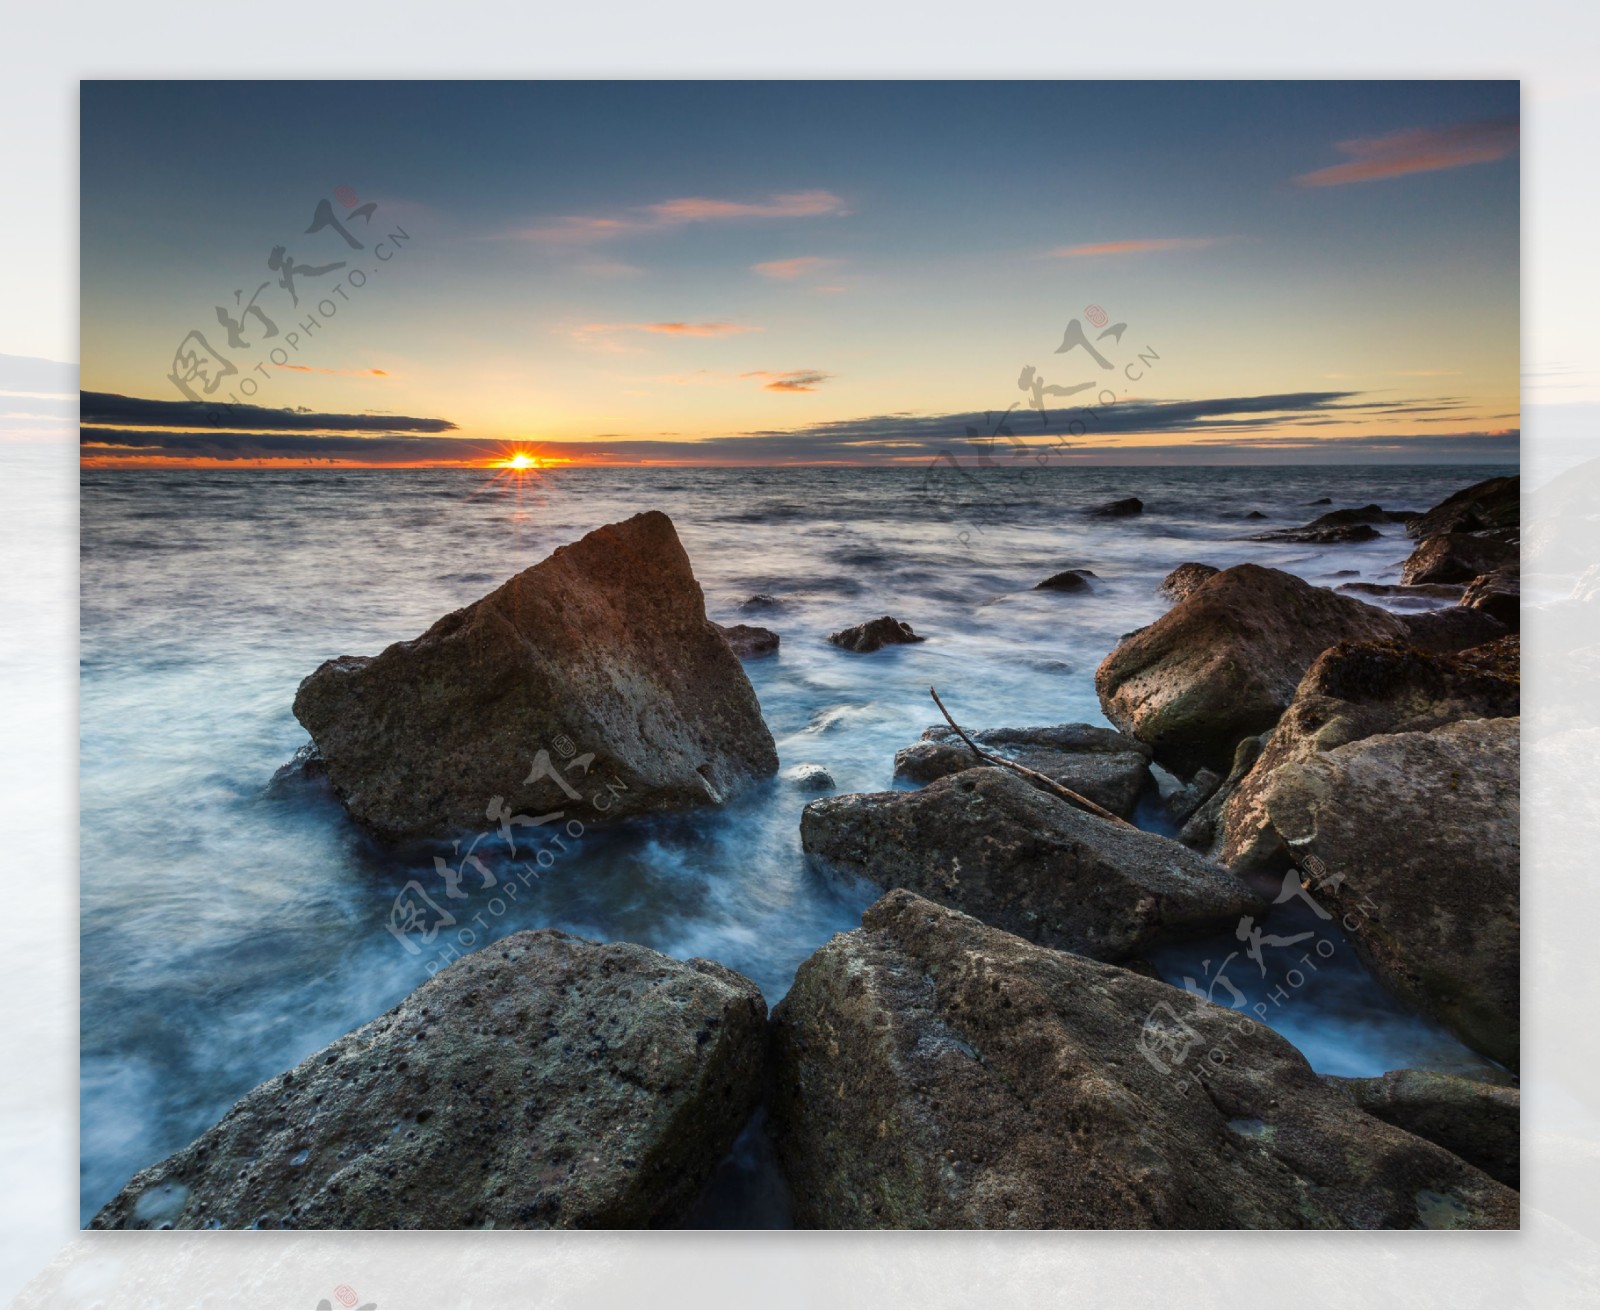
point(521, 460)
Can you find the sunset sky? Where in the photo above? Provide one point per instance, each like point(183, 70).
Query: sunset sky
point(738, 273)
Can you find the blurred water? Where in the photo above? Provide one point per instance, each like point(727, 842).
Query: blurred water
point(230, 928)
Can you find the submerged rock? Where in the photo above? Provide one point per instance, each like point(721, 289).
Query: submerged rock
point(1456, 558)
point(541, 1082)
point(934, 1072)
point(994, 845)
point(875, 634)
point(1184, 579)
point(1339, 526)
point(1480, 1122)
point(603, 648)
point(749, 642)
point(1413, 839)
point(1108, 767)
point(1128, 505)
point(1494, 506)
point(809, 778)
point(760, 603)
point(1223, 664)
point(1330, 536)
point(1356, 690)
point(1068, 580)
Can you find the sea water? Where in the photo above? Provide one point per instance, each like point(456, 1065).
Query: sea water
point(232, 925)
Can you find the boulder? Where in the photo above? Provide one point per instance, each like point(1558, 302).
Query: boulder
point(1354, 525)
point(748, 641)
point(1068, 580)
point(1128, 505)
point(1184, 579)
point(935, 1072)
point(1456, 558)
point(1108, 767)
point(1480, 1122)
point(601, 651)
point(1352, 691)
point(875, 634)
point(541, 1082)
point(760, 603)
point(1329, 536)
point(1498, 594)
point(1494, 505)
point(809, 778)
point(992, 844)
point(1413, 838)
point(1223, 664)
point(1453, 628)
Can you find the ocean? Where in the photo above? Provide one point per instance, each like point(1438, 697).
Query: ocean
point(233, 924)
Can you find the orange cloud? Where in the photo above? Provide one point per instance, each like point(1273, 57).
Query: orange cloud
point(1421, 150)
point(1135, 247)
point(343, 373)
point(797, 380)
point(789, 269)
point(689, 209)
point(674, 329)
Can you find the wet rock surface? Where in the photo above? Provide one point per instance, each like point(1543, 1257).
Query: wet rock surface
point(1413, 839)
point(1184, 579)
point(1494, 506)
point(994, 845)
point(1119, 509)
point(875, 635)
point(1108, 767)
point(1456, 558)
point(1224, 663)
point(1498, 595)
point(605, 645)
point(1480, 1122)
point(541, 1082)
point(1357, 690)
point(934, 1072)
point(749, 642)
point(1068, 580)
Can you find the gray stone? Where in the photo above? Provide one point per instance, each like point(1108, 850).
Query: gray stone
point(1223, 664)
point(1107, 767)
point(934, 1072)
point(1413, 839)
point(541, 1082)
point(994, 845)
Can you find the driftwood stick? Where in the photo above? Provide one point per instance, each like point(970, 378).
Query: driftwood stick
point(1032, 775)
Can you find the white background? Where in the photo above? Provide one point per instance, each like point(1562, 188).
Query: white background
point(44, 50)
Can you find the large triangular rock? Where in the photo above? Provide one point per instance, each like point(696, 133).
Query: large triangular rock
point(601, 653)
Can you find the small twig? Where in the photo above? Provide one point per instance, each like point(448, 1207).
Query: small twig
point(1032, 775)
